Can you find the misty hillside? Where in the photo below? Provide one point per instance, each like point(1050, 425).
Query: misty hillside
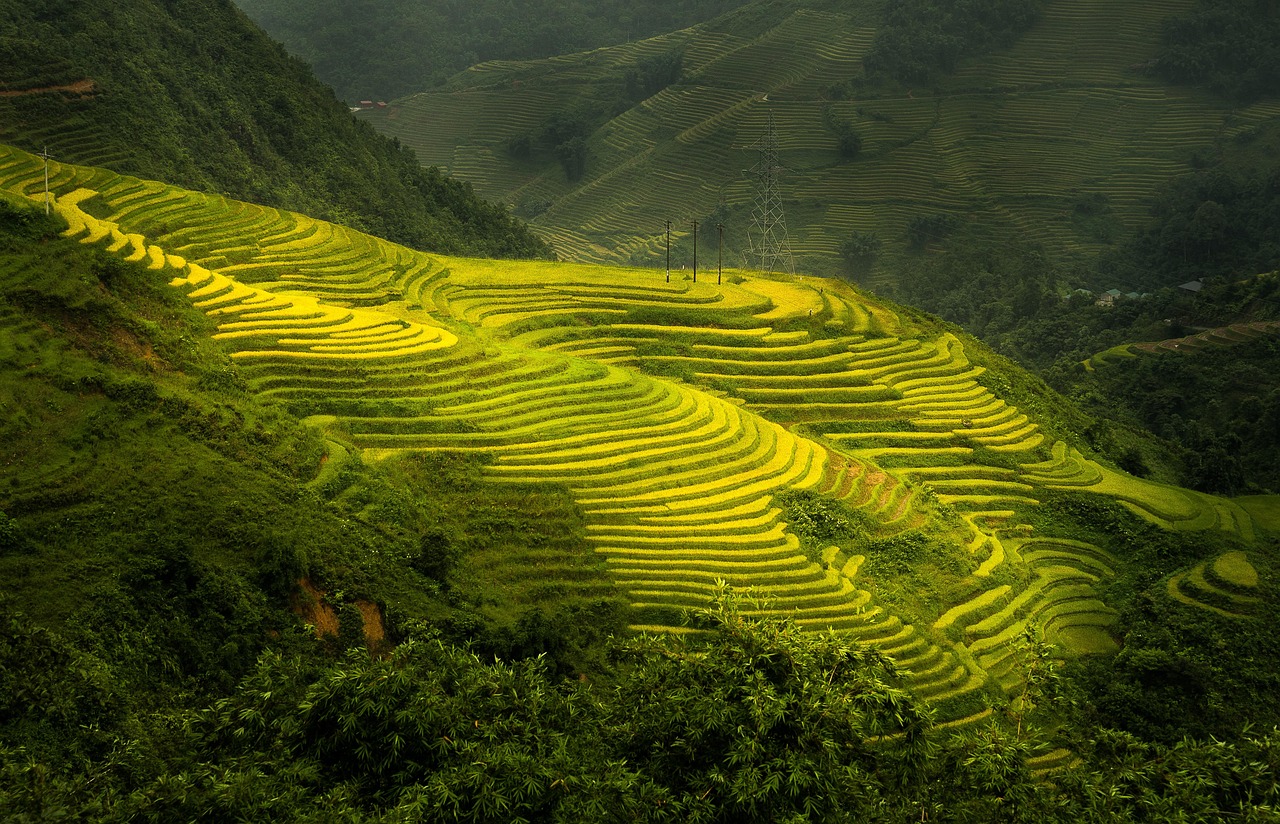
point(1058, 130)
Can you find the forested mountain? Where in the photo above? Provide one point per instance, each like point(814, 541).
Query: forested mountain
point(195, 93)
point(382, 50)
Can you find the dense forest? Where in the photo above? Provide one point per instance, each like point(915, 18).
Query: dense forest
point(1230, 46)
point(921, 40)
point(207, 100)
point(384, 50)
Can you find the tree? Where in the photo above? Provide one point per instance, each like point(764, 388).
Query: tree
point(757, 720)
point(566, 133)
point(572, 155)
point(926, 229)
point(848, 142)
point(860, 249)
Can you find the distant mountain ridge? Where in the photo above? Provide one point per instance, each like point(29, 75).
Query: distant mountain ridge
point(195, 93)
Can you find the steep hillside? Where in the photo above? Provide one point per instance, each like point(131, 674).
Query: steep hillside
point(1061, 139)
point(385, 50)
point(195, 93)
point(860, 467)
point(142, 481)
point(1210, 391)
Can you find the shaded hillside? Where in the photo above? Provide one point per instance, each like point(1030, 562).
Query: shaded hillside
point(1231, 46)
point(1210, 391)
point(193, 92)
point(388, 49)
point(1061, 139)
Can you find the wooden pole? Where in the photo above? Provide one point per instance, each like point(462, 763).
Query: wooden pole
point(720, 254)
point(668, 251)
point(695, 251)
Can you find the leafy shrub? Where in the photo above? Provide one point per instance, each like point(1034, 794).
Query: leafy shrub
point(818, 519)
point(651, 75)
point(520, 146)
point(437, 555)
point(926, 229)
point(10, 536)
point(897, 554)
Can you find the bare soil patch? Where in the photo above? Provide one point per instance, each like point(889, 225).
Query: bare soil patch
point(84, 88)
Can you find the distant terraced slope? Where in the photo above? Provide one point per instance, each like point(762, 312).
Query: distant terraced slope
point(1222, 336)
point(1012, 142)
point(675, 413)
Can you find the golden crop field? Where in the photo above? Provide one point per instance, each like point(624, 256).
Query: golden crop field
point(686, 420)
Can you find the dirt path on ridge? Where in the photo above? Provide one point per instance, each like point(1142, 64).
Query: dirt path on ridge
point(81, 87)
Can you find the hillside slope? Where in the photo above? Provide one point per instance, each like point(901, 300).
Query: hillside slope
point(1061, 139)
point(862, 468)
point(386, 50)
point(193, 92)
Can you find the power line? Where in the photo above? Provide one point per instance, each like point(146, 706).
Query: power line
point(720, 254)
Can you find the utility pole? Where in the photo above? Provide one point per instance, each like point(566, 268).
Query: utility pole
point(668, 251)
point(47, 157)
point(720, 254)
point(695, 251)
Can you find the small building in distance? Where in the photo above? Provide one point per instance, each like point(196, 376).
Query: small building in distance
point(1109, 298)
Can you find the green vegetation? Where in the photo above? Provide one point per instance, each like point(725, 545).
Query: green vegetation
point(748, 721)
point(712, 465)
point(158, 518)
point(1192, 367)
point(207, 100)
point(1050, 124)
point(1034, 124)
point(387, 50)
point(1228, 45)
point(921, 40)
point(1219, 404)
point(437, 460)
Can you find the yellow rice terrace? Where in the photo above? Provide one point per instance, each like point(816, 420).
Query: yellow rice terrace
point(857, 467)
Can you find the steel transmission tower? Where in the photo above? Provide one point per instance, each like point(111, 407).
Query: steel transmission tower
point(768, 234)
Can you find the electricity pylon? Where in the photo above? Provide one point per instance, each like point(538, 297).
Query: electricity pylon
point(768, 234)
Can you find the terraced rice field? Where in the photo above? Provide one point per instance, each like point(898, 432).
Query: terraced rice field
point(673, 412)
point(1226, 585)
point(1011, 141)
point(1222, 336)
